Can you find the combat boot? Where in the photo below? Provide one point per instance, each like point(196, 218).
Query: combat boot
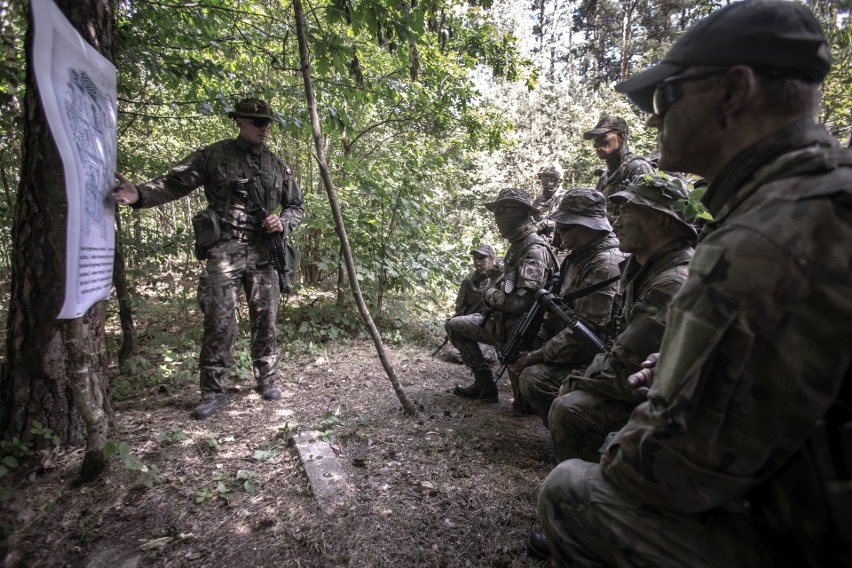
point(210, 403)
point(269, 391)
point(537, 545)
point(483, 387)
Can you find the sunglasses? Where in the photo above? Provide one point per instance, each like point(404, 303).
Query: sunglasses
point(261, 122)
point(669, 91)
point(565, 228)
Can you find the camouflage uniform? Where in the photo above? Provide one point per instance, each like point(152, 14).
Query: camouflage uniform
point(546, 203)
point(240, 259)
point(758, 343)
point(622, 166)
point(528, 265)
point(599, 401)
point(562, 350)
point(469, 301)
point(470, 291)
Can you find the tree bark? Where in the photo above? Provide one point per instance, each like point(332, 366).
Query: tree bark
point(122, 294)
point(338, 218)
point(49, 361)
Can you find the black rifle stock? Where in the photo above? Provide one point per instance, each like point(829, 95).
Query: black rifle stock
point(524, 332)
point(274, 241)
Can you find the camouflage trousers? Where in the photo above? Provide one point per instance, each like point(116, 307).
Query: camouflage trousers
point(233, 265)
point(580, 421)
point(539, 386)
point(588, 522)
point(466, 333)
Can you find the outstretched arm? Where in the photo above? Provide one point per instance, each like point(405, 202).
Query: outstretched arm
point(125, 192)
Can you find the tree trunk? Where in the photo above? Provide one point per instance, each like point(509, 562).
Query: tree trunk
point(122, 294)
point(338, 218)
point(48, 360)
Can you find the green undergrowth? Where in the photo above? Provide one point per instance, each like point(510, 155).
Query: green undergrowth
point(166, 357)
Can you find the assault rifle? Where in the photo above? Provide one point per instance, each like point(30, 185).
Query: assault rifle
point(274, 241)
point(567, 315)
point(524, 331)
point(527, 328)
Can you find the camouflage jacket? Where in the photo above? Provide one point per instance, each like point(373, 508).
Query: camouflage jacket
point(759, 337)
point(581, 269)
point(528, 265)
point(628, 167)
point(216, 167)
point(646, 292)
point(470, 291)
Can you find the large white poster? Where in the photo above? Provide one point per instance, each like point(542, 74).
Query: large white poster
point(77, 89)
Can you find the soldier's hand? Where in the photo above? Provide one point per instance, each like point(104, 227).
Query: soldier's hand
point(125, 192)
point(520, 364)
point(641, 380)
point(273, 224)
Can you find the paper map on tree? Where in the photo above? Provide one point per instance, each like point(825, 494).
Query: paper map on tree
point(78, 93)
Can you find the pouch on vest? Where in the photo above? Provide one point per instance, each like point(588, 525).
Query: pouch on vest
point(208, 231)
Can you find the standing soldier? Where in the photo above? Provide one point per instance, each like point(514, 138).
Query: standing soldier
point(757, 348)
point(550, 177)
point(236, 254)
point(528, 265)
point(609, 138)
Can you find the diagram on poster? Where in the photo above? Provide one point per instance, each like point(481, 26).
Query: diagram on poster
point(77, 86)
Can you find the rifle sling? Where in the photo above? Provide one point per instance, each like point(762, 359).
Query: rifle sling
point(569, 298)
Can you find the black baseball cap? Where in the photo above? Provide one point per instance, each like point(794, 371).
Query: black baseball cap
point(252, 108)
point(767, 34)
point(606, 124)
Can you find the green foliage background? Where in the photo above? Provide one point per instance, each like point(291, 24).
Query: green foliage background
point(427, 109)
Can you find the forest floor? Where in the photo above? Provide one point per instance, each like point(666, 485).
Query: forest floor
point(454, 485)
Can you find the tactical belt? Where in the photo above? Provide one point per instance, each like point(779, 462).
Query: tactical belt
point(242, 234)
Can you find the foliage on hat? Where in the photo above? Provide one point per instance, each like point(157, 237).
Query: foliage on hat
point(686, 197)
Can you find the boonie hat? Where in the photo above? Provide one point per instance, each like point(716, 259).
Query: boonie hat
point(769, 34)
point(484, 250)
point(658, 191)
point(514, 194)
point(606, 124)
point(585, 207)
point(251, 108)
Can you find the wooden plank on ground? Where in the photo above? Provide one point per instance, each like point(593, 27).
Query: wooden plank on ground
point(328, 480)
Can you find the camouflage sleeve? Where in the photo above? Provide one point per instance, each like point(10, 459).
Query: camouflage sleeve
point(566, 347)
point(646, 322)
point(643, 335)
point(534, 268)
point(638, 167)
point(184, 177)
point(756, 351)
point(292, 209)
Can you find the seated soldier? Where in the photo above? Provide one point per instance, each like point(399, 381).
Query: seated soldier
point(469, 297)
point(650, 226)
point(587, 286)
point(528, 265)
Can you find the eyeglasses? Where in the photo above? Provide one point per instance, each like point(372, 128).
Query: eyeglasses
point(668, 91)
point(261, 122)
